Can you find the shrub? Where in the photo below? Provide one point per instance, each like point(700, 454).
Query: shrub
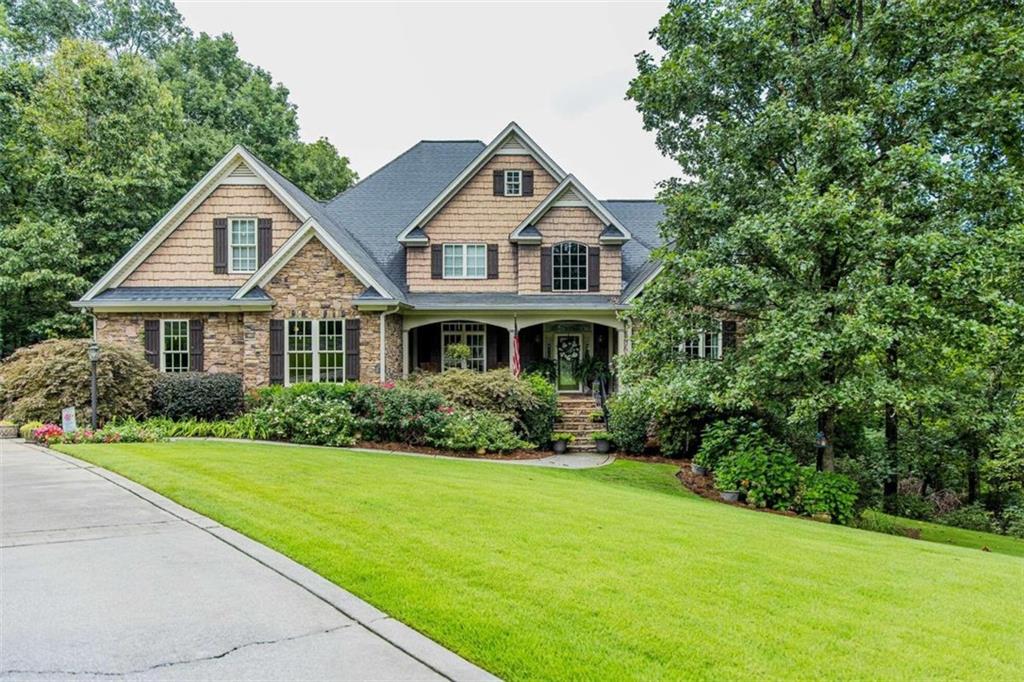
point(762, 468)
point(823, 492)
point(971, 517)
point(530, 402)
point(197, 395)
point(480, 431)
point(401, 414)
point(602, 435)
point(879, 523)
point(721, 438)
point(47, 433)
point(308, 419)
point(37, 381)
point(912, 507)
point(27, 428)
point(562, 436)
point(629, 419)
point(1013, 521)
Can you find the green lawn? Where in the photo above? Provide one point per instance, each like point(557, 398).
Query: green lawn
point(613, 573)
point(948, 535)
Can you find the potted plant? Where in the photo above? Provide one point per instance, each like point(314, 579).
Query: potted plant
point(699, 465)
point(559, 441)
point(597, 416)
point(457, 355)
point(730, 495)
point(602, 441)
point(8, 429)
point(588, 370)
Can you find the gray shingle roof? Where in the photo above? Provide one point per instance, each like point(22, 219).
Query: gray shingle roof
point(641, 217)
point(178, 294)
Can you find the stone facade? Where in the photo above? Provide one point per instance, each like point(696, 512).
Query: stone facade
point(185, 257)
point(312, 285)
point(474, 215)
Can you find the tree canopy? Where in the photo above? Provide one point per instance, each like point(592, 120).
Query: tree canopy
point(852, 193)
point(109, 111)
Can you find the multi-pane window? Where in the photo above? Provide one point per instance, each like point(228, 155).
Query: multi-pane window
point(465, 261)
point(471, 334)
point(513, 183)
point(174, 346)
point(703, 344)
point(242, 243)
point(315, 351)
point(569, 267)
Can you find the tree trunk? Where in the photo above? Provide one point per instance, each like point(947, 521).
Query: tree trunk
point(827, 426)
point(972, 474)
point(892, 431)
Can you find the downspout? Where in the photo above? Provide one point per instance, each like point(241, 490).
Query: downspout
point(383, 343)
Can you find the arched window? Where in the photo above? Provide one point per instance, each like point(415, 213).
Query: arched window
point(569, 267)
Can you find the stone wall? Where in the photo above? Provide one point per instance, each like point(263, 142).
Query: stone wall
point(185, 257)
point(475, 215)
point(223, 335)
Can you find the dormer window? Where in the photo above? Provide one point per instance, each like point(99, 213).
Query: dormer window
point(513, 183)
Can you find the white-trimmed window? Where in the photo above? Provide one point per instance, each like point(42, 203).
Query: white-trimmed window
point(242, 244)
point(471, 334)
point(315, 351)
point(569, 267)
point(513, 183)
point(465, 261)
point(174, 345)
point(703, 344)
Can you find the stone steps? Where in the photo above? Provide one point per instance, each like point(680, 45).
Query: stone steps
point(575, 419)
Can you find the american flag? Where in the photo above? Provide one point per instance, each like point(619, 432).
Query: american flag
point(516, 366)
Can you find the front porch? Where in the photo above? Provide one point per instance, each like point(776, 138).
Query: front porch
point(553, 347)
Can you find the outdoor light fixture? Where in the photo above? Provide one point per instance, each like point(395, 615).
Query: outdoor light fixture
point(94, 357)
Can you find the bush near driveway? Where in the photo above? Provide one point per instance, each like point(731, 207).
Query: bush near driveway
point(37, 381)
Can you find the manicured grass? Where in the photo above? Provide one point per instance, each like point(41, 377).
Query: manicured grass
point(948, 535)
point(614, 573)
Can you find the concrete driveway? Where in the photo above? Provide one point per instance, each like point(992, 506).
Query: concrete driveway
point(101, 577)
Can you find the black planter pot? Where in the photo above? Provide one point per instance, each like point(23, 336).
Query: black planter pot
point(603, 446)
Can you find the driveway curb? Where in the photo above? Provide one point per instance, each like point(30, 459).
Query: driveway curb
point(398, 634)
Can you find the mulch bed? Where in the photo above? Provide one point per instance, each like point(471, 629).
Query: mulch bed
point(704, 486)
point(425, 450)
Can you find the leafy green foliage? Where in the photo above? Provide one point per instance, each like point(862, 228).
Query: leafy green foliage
point(971, 517)
point(28, 428)
point(720, 438)
point(825, 492)
point(762, 468)
point(629, 419)
point(197, 395)
point(38, 381)
point(477, 430)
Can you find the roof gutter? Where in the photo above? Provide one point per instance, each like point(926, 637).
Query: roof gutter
point(172, 305)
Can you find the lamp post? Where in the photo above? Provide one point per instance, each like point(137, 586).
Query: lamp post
point(94, 358)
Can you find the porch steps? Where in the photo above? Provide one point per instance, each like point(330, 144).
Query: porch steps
point(574, 418)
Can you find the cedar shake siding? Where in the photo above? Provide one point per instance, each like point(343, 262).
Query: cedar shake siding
point(475, 215)
point(570, 223)
point(185, 257)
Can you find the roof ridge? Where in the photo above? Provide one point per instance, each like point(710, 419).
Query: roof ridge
point(633, 201)
point(290, 181)
point(467, 140)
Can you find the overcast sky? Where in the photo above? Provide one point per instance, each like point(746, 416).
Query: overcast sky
point(376, 78)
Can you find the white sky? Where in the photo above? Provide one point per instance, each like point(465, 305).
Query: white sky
point(376, 78)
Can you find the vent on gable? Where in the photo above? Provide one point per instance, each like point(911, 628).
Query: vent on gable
point(513, 145)
point(242, 172)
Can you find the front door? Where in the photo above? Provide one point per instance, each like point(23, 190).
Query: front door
point(568, 350)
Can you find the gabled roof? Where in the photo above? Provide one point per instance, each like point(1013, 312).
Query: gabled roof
point(580, 196)
point(523, 144)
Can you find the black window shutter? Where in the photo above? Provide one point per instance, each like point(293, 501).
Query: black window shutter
point(435, 261)
point(527, 183)
point(264, 240)
point(594, 268)
point(277, 351)
point(499, 183)
point(545, 268)
point(492, 348)
point(220, 246)
point(352, 349)
point(195, 345)
point(152, 342)
point(728, 334)
point(492, 261)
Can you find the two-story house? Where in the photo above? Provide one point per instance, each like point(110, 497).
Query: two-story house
point(488, 245)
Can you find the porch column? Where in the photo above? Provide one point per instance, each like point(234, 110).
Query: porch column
point(405, 353)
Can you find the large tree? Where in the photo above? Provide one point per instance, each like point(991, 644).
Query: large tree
point(836, 155)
